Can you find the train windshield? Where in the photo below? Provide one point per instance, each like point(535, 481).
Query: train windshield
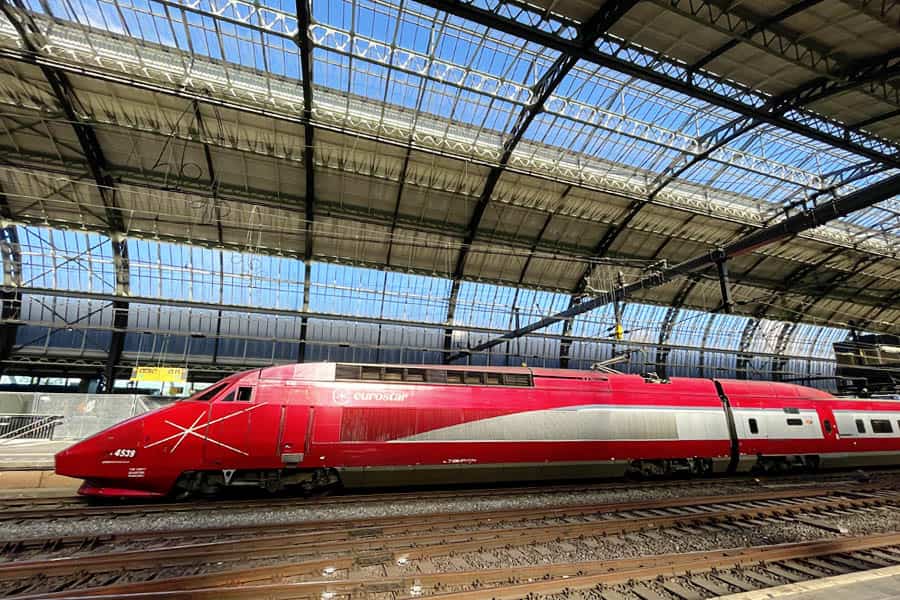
point(207, 394)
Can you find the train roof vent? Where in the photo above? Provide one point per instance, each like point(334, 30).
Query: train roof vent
point(389, 374)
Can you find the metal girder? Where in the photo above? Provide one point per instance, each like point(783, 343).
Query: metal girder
point(718, 138)
point(721, 136)
point(309, 199)
point(588, 33)
point(744, 31)
point(706, 145)
point(798, 223)
point(892, 302)
point(837, 280)
point(884, 11)
point(872, 71)
point(655, 67)
point(709, 143)
point(798, 275)
point(877, 119)
point(749, 28)
point(294, 117)
point(33, 39)
point(202, 192)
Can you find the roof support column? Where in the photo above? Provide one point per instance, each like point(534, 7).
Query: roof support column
point(309, 200)
point(120, 314)
point(701, 362)
point(742, 363)
point(565, 344)
point(724, 287)
point(779, 362)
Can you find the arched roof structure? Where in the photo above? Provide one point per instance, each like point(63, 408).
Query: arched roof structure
point(231, 183)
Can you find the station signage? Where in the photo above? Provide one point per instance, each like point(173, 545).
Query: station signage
point(159, 374)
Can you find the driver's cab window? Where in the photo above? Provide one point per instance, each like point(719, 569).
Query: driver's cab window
point(241, 394)
point(207, 394)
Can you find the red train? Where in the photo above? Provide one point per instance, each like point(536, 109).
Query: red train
point(320, 424)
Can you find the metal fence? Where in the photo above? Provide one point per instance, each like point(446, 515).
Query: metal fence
point(66, 416)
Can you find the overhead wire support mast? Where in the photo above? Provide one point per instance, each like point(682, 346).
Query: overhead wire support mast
point(798, 223)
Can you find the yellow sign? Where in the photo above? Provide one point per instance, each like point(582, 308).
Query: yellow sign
point(159, 374)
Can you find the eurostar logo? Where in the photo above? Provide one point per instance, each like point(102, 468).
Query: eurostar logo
point(342, 396)
point(196, 426)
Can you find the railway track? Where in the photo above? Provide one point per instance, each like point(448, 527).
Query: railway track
point(61, 507)
point(367, 527)
point(682, 576)
point(342, 552)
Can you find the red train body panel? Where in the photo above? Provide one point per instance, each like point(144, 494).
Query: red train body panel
point(316, 424)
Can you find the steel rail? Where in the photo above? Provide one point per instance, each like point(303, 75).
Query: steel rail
point(23, 508)
point(361, 533)
point(502, 583)
point(13, 546)
point(348, 548)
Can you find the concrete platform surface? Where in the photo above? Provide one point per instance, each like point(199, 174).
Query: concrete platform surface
point(30, 454)
point(877, 584)
point(33, 479)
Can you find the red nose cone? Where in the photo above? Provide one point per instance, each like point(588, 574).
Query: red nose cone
point(72, 462)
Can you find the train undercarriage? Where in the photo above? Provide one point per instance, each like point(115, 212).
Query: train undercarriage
point(212, 483)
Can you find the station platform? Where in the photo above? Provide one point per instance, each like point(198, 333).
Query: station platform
point(30, 454)
point(877, 584)
point(28, 465)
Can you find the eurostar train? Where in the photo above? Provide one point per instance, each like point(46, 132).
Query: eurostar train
point(326, 424)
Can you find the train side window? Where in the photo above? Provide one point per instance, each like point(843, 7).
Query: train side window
point(827, 426)
point(754, 428)
point(244, 394)
point(229, 397)
point(881, 426)
point(860, 426)
point(795, 422)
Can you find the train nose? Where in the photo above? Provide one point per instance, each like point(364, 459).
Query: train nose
point(101, 454)
point(74, 461)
